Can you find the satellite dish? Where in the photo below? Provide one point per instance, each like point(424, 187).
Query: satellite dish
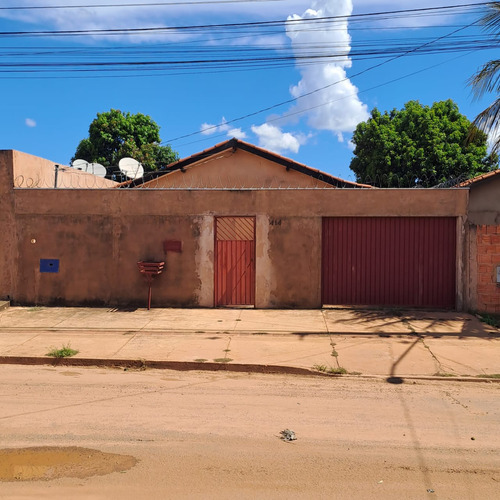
point(98, 169)
point(131, 168)
point(80, 165)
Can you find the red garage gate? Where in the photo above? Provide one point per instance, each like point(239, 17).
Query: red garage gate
point(389, 261)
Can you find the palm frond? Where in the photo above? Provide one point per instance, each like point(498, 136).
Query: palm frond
point(491, 20)
point(488, 121)
point(487, 79)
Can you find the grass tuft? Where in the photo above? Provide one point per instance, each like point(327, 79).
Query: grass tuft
point(331, 371)
point(64, 352)
point(489, 319)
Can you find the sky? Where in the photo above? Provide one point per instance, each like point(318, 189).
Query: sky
point(291, 76)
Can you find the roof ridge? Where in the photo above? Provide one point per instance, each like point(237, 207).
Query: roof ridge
point(235, 143)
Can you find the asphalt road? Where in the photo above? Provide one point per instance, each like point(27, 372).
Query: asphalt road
point(217, 435)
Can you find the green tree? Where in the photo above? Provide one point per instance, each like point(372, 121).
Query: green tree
point(487, 80)
point(418, 146)
point(114, 135)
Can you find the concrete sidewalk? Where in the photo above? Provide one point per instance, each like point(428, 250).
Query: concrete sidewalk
point(388, 343)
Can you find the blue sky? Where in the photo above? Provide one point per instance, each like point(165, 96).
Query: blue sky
point(46, 111)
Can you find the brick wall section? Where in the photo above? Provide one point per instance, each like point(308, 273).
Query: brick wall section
point(488, 258)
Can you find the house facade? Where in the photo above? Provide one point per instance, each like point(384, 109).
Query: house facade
point(483, 242)
point(236, 226)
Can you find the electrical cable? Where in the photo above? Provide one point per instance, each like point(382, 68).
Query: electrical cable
point(289, 101)
point(146, 4)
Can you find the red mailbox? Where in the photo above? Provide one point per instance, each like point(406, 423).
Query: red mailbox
point(150, 270)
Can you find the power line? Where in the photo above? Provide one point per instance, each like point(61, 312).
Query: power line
point(236, 26)
point(252, 60)
point(289, 101)
point(363, 91)
point(153, 4)
point(202, 2)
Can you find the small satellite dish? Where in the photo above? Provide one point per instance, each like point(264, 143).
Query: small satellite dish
point(131, 168)
point(98, 169)
point(80, 165)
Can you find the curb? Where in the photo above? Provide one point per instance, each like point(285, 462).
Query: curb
point(142, 364)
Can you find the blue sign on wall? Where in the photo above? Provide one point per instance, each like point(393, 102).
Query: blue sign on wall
point(49, 265)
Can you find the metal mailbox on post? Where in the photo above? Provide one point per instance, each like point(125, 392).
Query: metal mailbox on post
point(150, 270)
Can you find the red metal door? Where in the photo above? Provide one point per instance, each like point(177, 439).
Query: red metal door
point(389, 261)
point(234, 261)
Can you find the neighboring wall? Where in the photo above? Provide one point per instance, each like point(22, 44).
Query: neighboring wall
point(8, 236)
point(483, 245)
point(488, 261)
point(99, 235)
point(33, 172)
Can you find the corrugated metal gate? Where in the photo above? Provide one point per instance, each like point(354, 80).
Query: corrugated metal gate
point(234, 261)
point(389, 261)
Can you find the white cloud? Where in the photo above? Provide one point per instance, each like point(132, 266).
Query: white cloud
point(30, 122)
point(273, 138)
point(209, 128)
point(337, 107)
point(237, 133)
point(222, 127)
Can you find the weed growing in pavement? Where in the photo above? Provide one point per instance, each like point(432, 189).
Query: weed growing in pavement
point(335, 354)
point(35, 309)
point(443, 374)
point(222, 360)
point(320, 368)
point(489, 319)
point(337, 371)
point(201, 360)
point(64, 352)
point(491, 375)
point(331, 371)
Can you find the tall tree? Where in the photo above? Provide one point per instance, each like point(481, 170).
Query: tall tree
point(487, 80)
point(114, 135)
point(418, 146)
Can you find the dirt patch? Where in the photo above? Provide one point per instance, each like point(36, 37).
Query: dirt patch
point(46, 463)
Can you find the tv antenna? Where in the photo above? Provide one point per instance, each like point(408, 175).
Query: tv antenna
point(131, 168)
point(80, 165)
point(98, 169)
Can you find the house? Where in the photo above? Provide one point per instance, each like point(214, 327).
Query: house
point(237, 226)
point(235, 164)
point(483, 242)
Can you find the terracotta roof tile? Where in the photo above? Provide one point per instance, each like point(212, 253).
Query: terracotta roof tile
point(239, 144)
point(479, 178)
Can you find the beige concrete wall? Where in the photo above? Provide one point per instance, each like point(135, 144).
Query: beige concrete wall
point(34, 172)
point(100, 235)
point(239, 169)
point(285, 203)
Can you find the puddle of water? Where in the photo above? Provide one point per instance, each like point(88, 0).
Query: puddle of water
point(46, 463)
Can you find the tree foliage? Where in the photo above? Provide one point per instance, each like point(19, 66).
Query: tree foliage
point(114, 135)
point(418, 146)
point(487, 80)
